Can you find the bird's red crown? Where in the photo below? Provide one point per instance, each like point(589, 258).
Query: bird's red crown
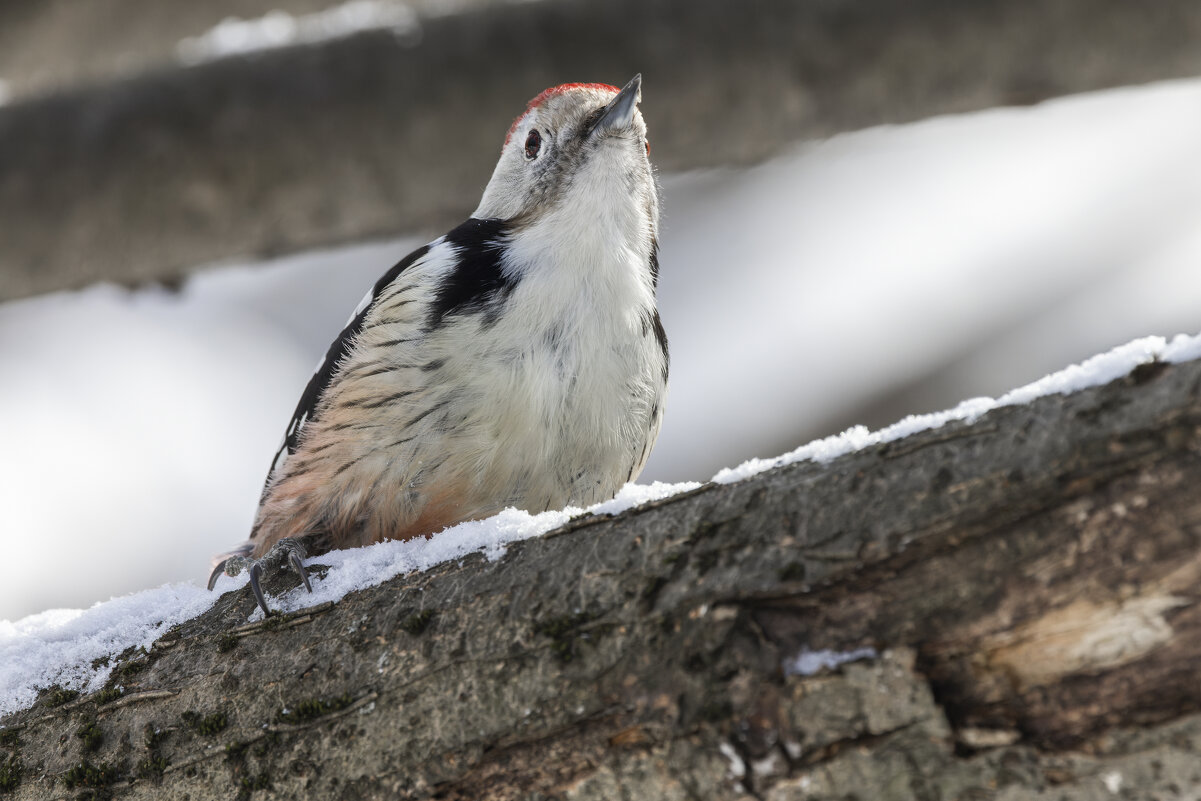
point(547, 94)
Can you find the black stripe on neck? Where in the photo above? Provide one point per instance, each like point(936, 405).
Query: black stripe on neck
point(478, 284)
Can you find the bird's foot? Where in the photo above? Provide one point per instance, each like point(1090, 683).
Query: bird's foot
point(287, 551)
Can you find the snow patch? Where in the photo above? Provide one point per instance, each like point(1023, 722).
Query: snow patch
point(1098, 370)
point(632, 495)
point(358, 568)
point(1112, 782)
point(810, 663)
point(59, 646)
point(234, 36)
point(1182, 349)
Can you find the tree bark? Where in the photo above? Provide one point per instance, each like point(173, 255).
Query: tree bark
point(379, 134)
point(1016, 599)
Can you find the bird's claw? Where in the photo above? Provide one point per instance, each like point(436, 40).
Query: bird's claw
point(297, 562)
point(256, 570)
point(286, 550)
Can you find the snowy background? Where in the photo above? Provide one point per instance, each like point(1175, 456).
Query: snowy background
point(882, 272)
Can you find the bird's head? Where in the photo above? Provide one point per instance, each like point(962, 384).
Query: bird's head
point(579, 148)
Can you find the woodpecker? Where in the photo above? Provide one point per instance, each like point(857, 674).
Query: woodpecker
point(516, 361)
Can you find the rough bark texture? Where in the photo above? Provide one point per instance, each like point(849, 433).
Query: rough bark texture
point(1028, 584)
point(145, 177)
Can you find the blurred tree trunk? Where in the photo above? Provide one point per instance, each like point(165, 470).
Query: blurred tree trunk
point(1014, 601)
point(389, 132)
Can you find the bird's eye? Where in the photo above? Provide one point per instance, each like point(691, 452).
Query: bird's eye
point(533, 143)
point(648, 147)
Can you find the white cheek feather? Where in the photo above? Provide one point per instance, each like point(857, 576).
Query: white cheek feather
point(506, 189)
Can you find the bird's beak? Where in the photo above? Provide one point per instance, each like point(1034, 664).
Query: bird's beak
point(620, 110)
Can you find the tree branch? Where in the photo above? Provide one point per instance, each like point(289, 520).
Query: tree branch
point(1025, 585)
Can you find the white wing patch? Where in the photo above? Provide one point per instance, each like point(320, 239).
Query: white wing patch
point(281, 458)
point(363, 304)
